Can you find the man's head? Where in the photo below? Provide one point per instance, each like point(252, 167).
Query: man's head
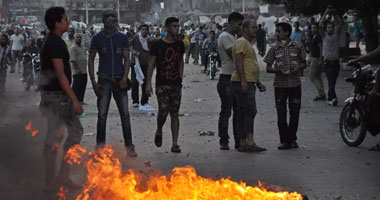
point(249, 28)
point(235, 20)
point(78, 38)
point(192, 26)
point(56, 18)
point(330, 27)
point(110, 21)
point(144, 29)
point(296, 25)
point(4, 39)
point(172, 26)
point(212, 35)
point(283, 31)
point(314, 28)
point(71, 32)
point(17, 31)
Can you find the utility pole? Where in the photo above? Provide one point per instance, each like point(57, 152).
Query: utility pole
point(118, 10)
point(86, 12)
point(243, 5)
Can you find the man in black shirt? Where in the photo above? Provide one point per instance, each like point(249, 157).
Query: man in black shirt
point(167, 56)
point(316, 62)
point(58, 101)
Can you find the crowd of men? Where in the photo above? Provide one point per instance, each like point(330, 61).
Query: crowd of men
point(64, 74)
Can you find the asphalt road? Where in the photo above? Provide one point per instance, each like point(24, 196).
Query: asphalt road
point(324, 167)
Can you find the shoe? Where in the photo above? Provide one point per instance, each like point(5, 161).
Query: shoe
point(294, 145)
point(158, 140)
point(176, 149)
point(135, 105)
point(335, 102)
point(83, 115)
point(317, 98)
point(255, 148)
point(284, 146)
point(224, 147)
point(131, 151)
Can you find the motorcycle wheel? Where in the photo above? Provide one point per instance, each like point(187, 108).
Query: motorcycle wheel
point(353, 128)
point(213, 71)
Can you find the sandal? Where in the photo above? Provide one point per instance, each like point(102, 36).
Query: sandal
point(176, 149)
point(158, 140)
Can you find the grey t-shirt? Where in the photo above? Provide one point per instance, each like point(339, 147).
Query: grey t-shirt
point(331, 45)
point(226, 41)
point(78, 54)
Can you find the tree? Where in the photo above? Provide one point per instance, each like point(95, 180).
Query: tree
point(368, 10)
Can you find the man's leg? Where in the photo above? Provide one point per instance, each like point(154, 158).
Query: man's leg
point(3, 78)
point(163, 99)
point(121, 98)
point(281, 100)
point(226, 99)
point(315, 77)
point(144, 96)
point(135, 87)
point(294, 111)
point(82, 89)
point(76, 85)
point(103, 104)
point(13, 61)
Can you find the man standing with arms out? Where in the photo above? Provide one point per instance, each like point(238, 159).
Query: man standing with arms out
point(225, 43)
point(58, 101)
point(78, 60)
point(288, 58)
point(330, 52)
point(4, 51)
point(245, 78)
point(113, 49)
point(167, 56)
point(17, 43)
point(316, 62)
point(140, 48)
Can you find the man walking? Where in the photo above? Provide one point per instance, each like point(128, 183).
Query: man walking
point(17, 43)
point(331, 38)
point(58, 101)
point(225, 43)
point(245, 78)
point(316, 62)
point(167, 56)
point(288, 58)
point(140, 48)
point(113, 49)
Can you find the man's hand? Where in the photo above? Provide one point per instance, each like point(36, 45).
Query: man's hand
point(123, 83)
point(96, 88)
point(78, 109)
point(148, 90)
point(261, 87)
point(285, 71)
point(244, 87)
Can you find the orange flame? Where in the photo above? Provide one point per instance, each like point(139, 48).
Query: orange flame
point(107, 180)
point(74, 154)
point(62, 192)
point(29, 128)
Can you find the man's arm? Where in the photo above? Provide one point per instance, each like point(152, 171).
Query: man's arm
point(240, 70)
point(123, 83)
point(320, 53)
point(91, 73)
point(149, 73)
point(322, 20)
point(64, 82)
point(272, 70)
point(229, 52)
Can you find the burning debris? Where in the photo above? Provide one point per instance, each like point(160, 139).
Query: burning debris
point(29, 128)
point(107, 180)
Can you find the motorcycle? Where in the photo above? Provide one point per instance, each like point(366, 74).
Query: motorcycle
point(32, 68)
point(357, 116)
point(212, 64)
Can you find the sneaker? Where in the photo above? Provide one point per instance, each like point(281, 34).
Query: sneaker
point(284, 146)
point(335, 102)
point(330, 103)
point(224, 147)
point(294, 145)
point(131, 152)
point(135, 105)
point(83, 115)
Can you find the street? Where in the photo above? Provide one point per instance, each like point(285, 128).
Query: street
point(323, 168)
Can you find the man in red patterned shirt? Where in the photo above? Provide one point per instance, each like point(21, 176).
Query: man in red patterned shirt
point(288, 58)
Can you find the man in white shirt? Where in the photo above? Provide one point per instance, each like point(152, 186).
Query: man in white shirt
point(226, 41)
point(17, 43)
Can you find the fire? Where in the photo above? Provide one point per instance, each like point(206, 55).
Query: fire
point(107, 180)
point(29, 128)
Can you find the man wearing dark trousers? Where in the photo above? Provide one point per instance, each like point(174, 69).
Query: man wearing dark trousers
point(288, 58)
point(58, 101)
point(78, 61)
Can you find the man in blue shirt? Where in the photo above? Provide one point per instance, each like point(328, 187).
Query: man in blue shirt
point(112, 47)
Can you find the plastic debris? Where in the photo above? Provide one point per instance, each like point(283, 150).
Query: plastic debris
point(204, 133)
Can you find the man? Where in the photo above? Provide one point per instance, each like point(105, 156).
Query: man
point(26, 53)
point(289, 58)
point(4, 52)
point(140, 48)
point(58, 101)
point(193, 46)
point(167, 56)
point(210, 45)
point(260, 40)
point(316, 62)
point(201, 38)
point(225, 43)
point(298, 36)
point(17, 43)
point(113, 48)
point(78, 60)
point(330, 39)
point(41, 39)
point(245, 78)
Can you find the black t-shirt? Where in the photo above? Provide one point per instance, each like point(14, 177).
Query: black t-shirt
point(314, 46)
point(168, 56)
point(53, 47)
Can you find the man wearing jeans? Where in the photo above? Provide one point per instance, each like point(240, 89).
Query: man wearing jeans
point(225, 43)
point(17, 43)
point(245, 78)
point(331, 38)
point(288, 58)
point(112, 47)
